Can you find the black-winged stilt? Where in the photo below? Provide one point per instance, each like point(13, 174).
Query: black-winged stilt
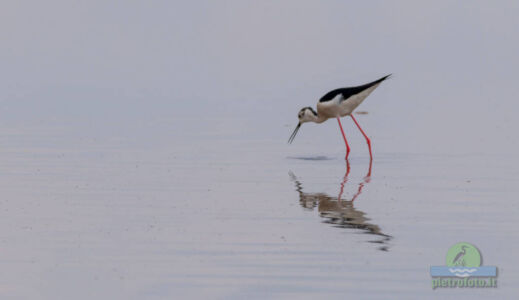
point(336, 104)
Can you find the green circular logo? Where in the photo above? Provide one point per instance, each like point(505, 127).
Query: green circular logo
point(463, 255)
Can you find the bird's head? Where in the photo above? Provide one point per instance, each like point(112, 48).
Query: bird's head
point(305, 114)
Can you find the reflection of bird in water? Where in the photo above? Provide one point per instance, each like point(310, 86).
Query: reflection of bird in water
point(458, 260)
point(342, 213)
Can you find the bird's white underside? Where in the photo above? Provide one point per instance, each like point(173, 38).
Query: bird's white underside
point(340, 107)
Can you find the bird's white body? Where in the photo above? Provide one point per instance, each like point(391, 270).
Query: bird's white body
point(340, 107)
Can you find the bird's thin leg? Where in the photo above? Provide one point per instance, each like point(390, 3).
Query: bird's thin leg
point(368, 176)
point(344, 136)
point(364, 134)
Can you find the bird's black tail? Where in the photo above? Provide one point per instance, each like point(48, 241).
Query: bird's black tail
point(368, 85)
point(380, 80)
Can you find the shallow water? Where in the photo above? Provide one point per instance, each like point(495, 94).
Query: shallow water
point(223, 217)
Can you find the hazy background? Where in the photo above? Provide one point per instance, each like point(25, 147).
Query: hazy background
point(121, 65)
point(143, 141)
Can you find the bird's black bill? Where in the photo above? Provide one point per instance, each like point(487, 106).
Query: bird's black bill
point(294, 134)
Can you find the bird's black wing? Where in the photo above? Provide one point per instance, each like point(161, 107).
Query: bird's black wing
point(350, 91)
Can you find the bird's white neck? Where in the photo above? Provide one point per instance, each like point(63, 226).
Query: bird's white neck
point(318, 119)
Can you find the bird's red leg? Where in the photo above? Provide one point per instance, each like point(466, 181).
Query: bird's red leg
point(364, 134)
point(344, 136)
